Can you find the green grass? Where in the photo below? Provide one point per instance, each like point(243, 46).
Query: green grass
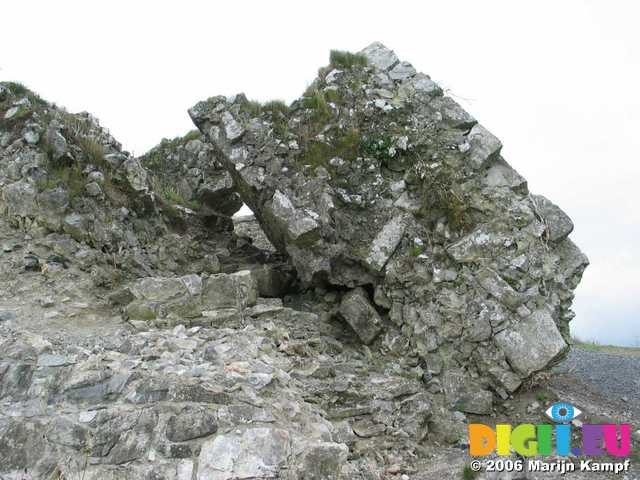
point(345, 146)
point(468, 473)
point(439, 191)
point(317, 102)
point(69, 177)
point(16, 88)
point(172, 195)
point(542, 397)
point(276, 106)
point(377, 147)
point(252, 107)
point(19, 89)
point(340, 58)
point(417, 250)
point(597, 347)
point(192, 135)
point(278, 110)
point(93, 152)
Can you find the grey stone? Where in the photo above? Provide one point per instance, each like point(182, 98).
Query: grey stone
point(31, 137)
point(57, 143)
point(478, 402)
point(402, 71)
point(76, 225)
point(254, 453)
point(386, 242)
point(50, 360)
point(323, 461)
point(300, 226)
point(6, 315)
point(232, 128)
point(191, 424)
point(93, 189)
point(238, 290)
point(357, 310)
point(532, 343)
point(558, 223)
point(484, 146)
point(499, 288)
point(380, 56)
point(20, 198)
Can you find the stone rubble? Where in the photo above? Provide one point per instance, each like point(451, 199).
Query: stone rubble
point(397, 280)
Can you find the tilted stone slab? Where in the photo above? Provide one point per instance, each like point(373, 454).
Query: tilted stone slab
point(375, 180)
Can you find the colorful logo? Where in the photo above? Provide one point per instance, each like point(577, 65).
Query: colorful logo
point(529, 440)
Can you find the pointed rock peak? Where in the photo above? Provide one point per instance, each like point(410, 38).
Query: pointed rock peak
point(380, 56)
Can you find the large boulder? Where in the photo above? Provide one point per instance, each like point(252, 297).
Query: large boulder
point(374, 178)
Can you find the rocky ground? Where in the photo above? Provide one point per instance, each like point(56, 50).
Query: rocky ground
point(397, 282)
point(87, 394)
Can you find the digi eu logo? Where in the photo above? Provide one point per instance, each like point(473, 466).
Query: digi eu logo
point(529, 440)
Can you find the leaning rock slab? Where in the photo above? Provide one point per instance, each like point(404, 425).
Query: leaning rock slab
point(393, 187)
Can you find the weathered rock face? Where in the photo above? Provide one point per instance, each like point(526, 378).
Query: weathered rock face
point(185, 169)
point(138, 342)
point(63, 172)
point(376, 179)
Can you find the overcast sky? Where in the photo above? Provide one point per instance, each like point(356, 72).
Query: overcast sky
point(558, 82)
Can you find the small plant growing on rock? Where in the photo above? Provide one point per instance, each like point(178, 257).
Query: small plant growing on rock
point(439, 191)
point(468, 473)
point(276, 106)
point(93, 151)
point(318, 103)
point(342, 59)
point(379, 147)
point(252, 107)
point(344, 146)
point(192, 135)
point(171, 194)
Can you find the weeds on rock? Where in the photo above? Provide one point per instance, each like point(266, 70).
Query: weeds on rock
point(439, 192)
point(319, 153)
point(468, 473)
point(342, 59)
point(380, 147)
point(93, 152)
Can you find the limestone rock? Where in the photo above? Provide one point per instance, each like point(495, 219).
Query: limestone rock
point(357, 310)
point(395, 188)
point(532, 343)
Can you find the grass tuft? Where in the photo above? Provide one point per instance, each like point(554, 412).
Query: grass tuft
point(340, 58)
point(276, 106)
point(172, 195)
point(192, 135)
point(468, 473)
point(318, 103)
point(93, 152)
point(319, 153)
point(378, 147)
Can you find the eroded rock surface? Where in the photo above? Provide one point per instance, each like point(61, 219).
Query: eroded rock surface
point(185, 170)
point(374, 178)
point(141, 338)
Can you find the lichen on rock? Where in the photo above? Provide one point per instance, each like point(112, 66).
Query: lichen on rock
point(381, 181)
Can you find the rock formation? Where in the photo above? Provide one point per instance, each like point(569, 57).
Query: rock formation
point(185, 170)
point(376, 181)
point(408, 281)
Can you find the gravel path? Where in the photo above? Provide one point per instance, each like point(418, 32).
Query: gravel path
point(612, 375)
